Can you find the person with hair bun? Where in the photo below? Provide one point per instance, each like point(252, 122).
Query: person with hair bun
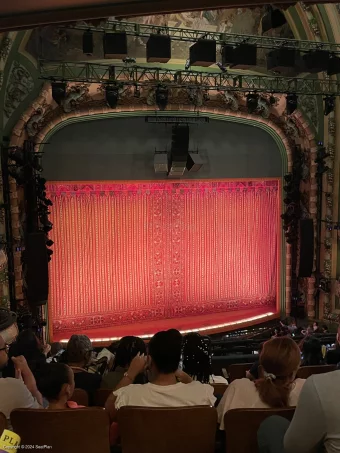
point(276, 386)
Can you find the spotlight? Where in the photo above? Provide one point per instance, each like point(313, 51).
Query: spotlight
point(291, 103)
point(187, 65)
point(162, 95)
point(58, 91)
point(137, 92)
point(36, 162)
point(112, 95)
point(47, 227)
point(18, 174)
point(252, 102)
point(222, 68)
point(88, 43)
point(129, 60)
point(329, 105)
point(17, 155)
point(288, 177)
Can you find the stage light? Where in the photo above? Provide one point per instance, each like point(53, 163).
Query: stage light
point(329, 105)
point(288, 177)
point(222, 68)
point(36, 162)
point(322, 168)
point(187, 65)
point(129, 60)
point(48, 227)
point(136, 93)
point(18, 174)
point(291, 103)
point(252, 102)
point(162, 95)
point(112, 95)
point(49, 243)
point(58, 91)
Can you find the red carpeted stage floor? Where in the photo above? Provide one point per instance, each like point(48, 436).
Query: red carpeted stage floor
point(208, 324)
point(135, 257)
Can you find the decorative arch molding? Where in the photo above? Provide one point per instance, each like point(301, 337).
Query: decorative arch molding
point(301, 134)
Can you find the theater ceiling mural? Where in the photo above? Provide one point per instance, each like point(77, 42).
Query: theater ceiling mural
point(20, 86)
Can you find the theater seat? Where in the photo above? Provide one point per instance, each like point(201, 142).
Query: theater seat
point(238, 370)
point(66, 431)
point(167, 430)
point(3, 422)
point(81, 397)
point(306, 371)
point(100, 397)
point(241, 426)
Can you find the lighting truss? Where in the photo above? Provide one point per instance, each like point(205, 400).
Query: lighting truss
point(149, 77)
point(187, 34)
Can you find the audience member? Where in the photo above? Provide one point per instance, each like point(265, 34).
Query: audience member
point(324, 329)
point(316, 328)
point(315, 425)
point(28, 345)
point(312, 352)
point(126, 350)
point(167, 387)
point(277, 386)
point(56, 384)
point(19, 392)
point(196, 357)
point(79, 356)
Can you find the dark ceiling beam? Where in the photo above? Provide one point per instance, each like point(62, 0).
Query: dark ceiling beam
point(24, 14)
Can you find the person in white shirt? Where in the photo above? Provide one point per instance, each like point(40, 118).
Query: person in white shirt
point(196, 356)
point(277, 386)
point(20, 392)
point(316, 422)
point(168, 387)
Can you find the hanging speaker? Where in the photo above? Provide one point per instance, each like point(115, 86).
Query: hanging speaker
point(306, 253)
point(37, 269)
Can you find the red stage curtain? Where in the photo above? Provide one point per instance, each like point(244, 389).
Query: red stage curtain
point(132, 251)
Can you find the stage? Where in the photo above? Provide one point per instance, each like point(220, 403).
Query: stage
point(136, 257)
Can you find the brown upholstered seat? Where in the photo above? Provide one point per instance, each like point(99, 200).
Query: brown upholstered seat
point(3, 422)
point(167, 430)
point(241, 426)
point(100, 397)
point(306, 371)
point(219, 389)
point(81, 397)
point(67, 431)
point(238, 370)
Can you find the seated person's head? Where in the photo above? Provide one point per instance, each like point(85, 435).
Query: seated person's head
point(127, 349)
point(312, 351)
point(164, 352)
point(279, 362)
point(79, 351)
point(56, 383)
point(196, 353)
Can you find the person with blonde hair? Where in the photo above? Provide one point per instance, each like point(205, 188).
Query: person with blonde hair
point(276, 386)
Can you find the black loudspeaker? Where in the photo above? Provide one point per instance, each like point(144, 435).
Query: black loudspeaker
point(194, 162)
point(333, 65)
point(58, 91)
point(245, 55)
point(316, 61)
point(37, 269)
point(158, 49)
point(115, 45)
point(280, 59)
point(88, 43)
point(203, 53)
point(227, 55)
point(306, 255)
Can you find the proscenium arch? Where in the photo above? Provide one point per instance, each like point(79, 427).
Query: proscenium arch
point(285, 258)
